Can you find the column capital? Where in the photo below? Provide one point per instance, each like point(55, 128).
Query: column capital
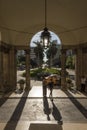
point(4, 49)
point(63, 51)
point(15, 51)
point(1, 48)
point(27, 51)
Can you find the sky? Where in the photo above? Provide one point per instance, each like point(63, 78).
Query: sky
point(36, 38)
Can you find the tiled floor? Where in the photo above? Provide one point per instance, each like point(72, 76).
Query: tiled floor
point(30, 111)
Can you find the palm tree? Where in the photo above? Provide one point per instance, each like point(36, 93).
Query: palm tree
point(39, 52)
point(51, 52)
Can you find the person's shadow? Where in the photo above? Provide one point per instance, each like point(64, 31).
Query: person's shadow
point(47, 110)
point(56, 114)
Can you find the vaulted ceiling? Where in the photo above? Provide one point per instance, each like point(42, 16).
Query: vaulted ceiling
point(21, 19)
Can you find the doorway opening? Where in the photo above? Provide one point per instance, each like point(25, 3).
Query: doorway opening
point(44, 61)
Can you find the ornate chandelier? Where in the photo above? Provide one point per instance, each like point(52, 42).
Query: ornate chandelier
point(45, 35)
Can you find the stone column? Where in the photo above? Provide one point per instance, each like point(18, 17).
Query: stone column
point(63, 69)
point(6, 70)
point(79, 71)
point(12, 68)
point(84, 62)
point(6, 64)
point(27, 69)
point(1, 69)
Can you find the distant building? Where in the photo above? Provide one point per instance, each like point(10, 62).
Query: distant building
point(20, 53)
point(32, 53)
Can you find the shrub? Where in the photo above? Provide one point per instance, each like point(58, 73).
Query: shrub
point(40, 72)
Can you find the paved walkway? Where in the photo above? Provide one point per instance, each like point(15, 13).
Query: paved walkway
point(30, 111)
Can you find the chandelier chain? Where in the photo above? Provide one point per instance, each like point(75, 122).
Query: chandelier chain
point(45, 13)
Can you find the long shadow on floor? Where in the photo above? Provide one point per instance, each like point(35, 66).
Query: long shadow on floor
point(54, 111)
point(47, 110)
point(56, 114)
point(12, 123)
point(80, 107)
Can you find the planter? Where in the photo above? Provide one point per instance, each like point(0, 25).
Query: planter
point(21, 83)
point(21, 86)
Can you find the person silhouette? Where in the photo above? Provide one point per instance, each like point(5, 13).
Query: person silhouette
point(51, 85)
point(44, 87)
point(83, 83)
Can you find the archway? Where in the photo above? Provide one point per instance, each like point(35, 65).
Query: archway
point(42, 59)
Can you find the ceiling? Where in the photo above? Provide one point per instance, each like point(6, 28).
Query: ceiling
point(20, 20)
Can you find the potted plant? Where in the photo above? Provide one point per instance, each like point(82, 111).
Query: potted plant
point(69, 82)
point(21, 83)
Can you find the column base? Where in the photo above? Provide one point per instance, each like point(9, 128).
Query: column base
point(64, 88)
point(5, 90)
point(2, 90)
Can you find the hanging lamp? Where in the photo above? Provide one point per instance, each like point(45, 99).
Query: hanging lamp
point(45, 35)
